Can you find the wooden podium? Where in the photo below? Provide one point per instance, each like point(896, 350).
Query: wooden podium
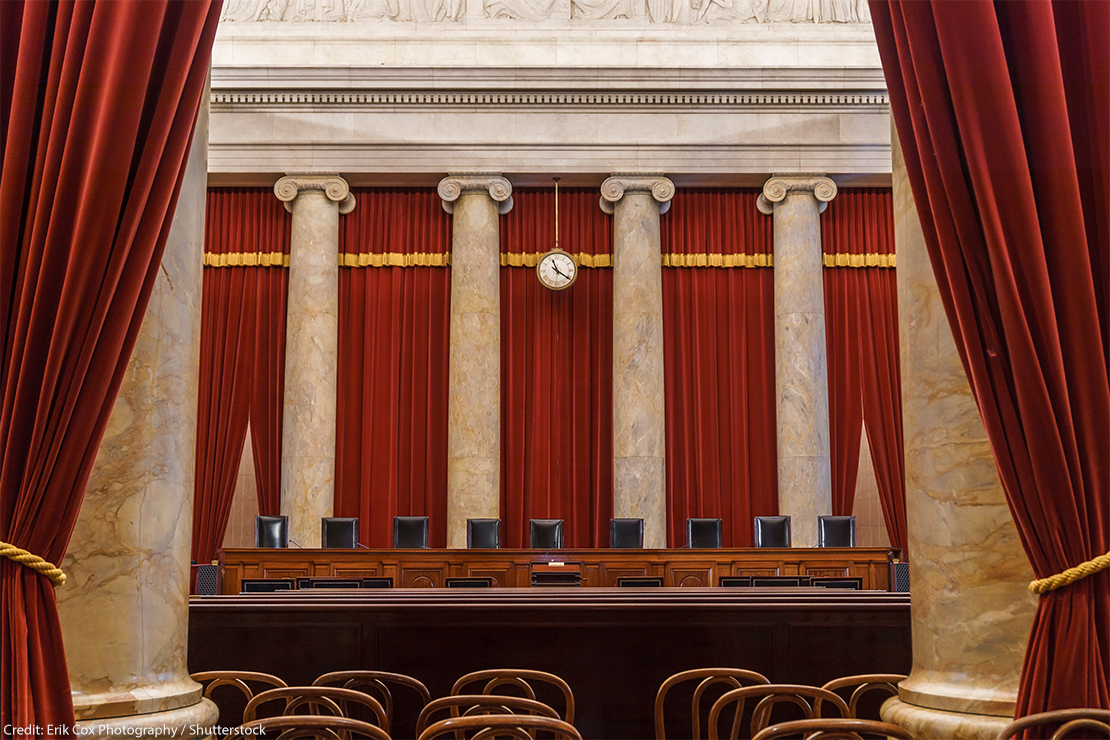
point(556, 573)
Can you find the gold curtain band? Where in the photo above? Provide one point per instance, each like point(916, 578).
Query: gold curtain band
point(246, 259)
point(34, 562)
point(518, 259)
point(1071, 575)
point(859, 260)
point(395, 259)
point(718, 260)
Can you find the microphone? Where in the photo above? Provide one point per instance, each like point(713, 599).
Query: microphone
point(294, 542)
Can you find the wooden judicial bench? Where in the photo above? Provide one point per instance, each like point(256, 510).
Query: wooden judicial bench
point(600, 567)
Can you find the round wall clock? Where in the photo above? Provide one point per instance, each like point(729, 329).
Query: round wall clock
point(557, 270)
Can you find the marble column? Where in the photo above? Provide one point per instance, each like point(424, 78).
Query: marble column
point(124, 609)
point(311, 342)
point(639, 483)
point(474, 386)
point(970, 605)
point(801, 375)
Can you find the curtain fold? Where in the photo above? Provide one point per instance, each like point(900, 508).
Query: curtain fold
point(242, 358)
point(861, 334)
point(98, 105)
point(557, 373)
point(1003, 111)
point(719, 365)
point(394, 342)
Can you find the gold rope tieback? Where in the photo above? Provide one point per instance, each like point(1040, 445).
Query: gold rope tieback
point(1071, 575)
point(51, 571)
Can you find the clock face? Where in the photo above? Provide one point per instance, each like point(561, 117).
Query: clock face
point(557, 270)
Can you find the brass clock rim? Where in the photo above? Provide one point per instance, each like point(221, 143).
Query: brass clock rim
point(545, 255)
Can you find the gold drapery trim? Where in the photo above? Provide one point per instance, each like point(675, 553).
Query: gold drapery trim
point(34, 562)
point(519, 259)
point(860, 260)
point(718, 260)
point(395, 259)
point(1071, 575)
point(246, 259)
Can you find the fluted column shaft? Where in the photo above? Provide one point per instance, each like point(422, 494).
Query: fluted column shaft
point(474, 385)
point(312, 321)
point(971, 609)
point(801, 369)
point(639, 483)
point(124, 609)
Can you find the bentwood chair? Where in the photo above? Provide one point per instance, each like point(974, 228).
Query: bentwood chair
point(247, 683)
point(309, 726)
point(545, 534)
point(518, 679)
point(466, 705)
point(626, 533)
point(703, 533)
point(772, 531)
point(483, 533)
point(513, 726)
point(834, 729)
point(271, 531)
point(856, 687)
point(339, 532)
point(318, 700)
point(801, 698)
point(377, 684)
point(836, 531)
point(1090, 722)
point(410, 532)
point(705, 678)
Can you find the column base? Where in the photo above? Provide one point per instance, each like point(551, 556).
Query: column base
point(934, 724)
point(194, 721)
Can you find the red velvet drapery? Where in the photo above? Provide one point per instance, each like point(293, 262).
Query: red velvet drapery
point(719, 363)
point(242, 356)
point(98, 103)
point(556, 371)
point(1003, 111)
point(861, 333)
point(394, 333)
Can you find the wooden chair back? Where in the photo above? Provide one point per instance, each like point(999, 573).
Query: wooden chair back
point(317, 727)
point(377, 684)
point(248, 684)
point(1094, 723)
point(518, 678)
point(490, 726)
point(828, 728)
point(465, 705)
point(315, 700)
point(860, 686)
point(706, 677)
point(768, 696)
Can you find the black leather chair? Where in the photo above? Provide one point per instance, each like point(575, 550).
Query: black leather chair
point(836, 531)
point(410, 532)
point(545, 533)
point(271, 531)
point(483, 533)
point(339, 532)
point(772, 531)
point(626, 534)
point(703, 534)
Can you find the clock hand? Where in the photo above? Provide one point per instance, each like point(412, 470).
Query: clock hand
point(556, 268)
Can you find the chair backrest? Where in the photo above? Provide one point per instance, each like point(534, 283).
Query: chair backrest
point(1066, 721)
point(703, 533)
point(768, 696)
point(339, 532)
point(317, 700)
point(247, 683)
point(830, 729)
point(626, 533)
point(485, 682)
point(265, 585)
point(377, 684)
point(410, 532)
point(463, 705)
point(483, 533)
point(856, 687)
point(836, 531)
point(545, 533)
point(849, 582)
point(271, 531)
point(772, 531)
point(706, 677)
point(309, 726)
point(502, 726)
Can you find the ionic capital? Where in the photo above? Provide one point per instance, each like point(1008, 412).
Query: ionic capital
point(614, 188)
point(498, 188)
point(775, 190)
point(330, 184)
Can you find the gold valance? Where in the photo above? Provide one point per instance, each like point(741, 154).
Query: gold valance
point(718, 260)
point(395, 259)
point(246, 259)
point(518, 259)
point(859, 260)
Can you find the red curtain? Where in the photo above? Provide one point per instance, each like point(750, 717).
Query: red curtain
point(98, 103)
point(861, 333)
point(394, 339)
point(557, 371)
point(242, 356)
point(1003, 111)
point(719, 364)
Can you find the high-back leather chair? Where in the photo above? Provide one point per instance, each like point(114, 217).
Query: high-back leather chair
point(271, 531)
point(626, 533)
point(545, 533)
point(410, 532)
point(772, 531)
point(703, 533)
point(836, 531)
point(483, 533)
point(339, 532)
